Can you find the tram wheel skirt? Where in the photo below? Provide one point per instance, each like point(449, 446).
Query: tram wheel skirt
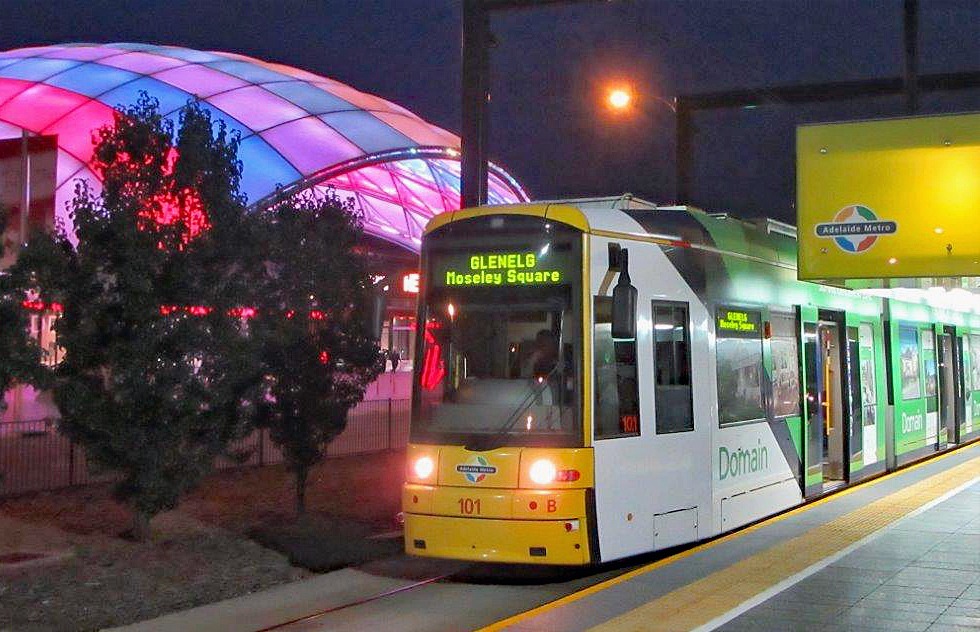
point(509, 541)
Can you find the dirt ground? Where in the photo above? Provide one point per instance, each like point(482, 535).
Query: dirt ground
point(200, 553)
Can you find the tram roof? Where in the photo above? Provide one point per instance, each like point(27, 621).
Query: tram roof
point(762, 240)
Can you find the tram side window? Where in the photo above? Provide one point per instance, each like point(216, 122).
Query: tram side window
point(974, 352)
point(908, 340)
point(929, 362)
point(672, 363)
point(869, 395)
point(785, 366)
point(617, 399)
point(739, 365)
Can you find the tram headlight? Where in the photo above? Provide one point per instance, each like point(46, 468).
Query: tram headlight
point(424, 467)
point(543, 472)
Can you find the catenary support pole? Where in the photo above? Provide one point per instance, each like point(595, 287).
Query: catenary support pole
point(911, 14)
point(476, 80)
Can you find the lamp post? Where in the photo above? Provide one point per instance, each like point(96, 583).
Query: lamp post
point(621, 100)
point(476, 91)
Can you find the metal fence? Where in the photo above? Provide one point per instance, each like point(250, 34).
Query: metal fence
point(34, 456)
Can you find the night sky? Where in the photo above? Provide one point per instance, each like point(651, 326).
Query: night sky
point(548, 126)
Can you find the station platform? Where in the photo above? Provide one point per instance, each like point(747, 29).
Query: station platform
point(900, 553)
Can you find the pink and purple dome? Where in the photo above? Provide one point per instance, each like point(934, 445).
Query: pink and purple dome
point(299, 130)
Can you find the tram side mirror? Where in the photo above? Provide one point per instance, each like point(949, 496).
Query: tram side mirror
point(624, 302)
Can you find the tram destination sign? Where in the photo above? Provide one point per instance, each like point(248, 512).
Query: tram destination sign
point(502, 268)
point(738, 323)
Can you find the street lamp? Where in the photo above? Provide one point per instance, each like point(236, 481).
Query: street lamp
point(621, 98)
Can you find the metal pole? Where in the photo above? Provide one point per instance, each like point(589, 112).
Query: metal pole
point(476, 93)
point(911, 14)
point(682, 159)
point(389, 423)
point(25, 190)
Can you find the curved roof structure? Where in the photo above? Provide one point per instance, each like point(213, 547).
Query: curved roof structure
point(299, 130)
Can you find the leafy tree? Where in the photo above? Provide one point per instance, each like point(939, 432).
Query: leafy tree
point(156, 379)
point(19, 355)
point(313, 326)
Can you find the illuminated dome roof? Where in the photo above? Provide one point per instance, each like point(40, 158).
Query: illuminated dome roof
point(299, 130)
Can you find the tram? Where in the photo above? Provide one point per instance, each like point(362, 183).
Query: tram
point(595, 379)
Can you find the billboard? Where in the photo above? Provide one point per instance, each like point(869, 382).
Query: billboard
point(889, 198)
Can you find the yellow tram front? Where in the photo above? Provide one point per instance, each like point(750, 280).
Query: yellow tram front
point(498, 466)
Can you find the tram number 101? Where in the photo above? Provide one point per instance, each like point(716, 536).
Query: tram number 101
point(468, 506)
point(629, 423)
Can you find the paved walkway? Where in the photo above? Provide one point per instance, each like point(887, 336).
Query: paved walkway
point(907, 542)
point(922, 574)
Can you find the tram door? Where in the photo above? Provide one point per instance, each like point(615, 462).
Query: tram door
point(826, 400)
point(831, 402)
point(951, 392)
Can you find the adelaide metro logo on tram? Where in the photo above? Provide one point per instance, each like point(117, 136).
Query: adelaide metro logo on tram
point(476, 470)
point(855, 228)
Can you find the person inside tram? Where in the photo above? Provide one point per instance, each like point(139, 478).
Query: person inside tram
point(543, 362)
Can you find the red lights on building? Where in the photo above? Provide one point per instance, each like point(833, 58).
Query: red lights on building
point(242, 312)
point(41, 306)
point(196, 310)
point(193, 310)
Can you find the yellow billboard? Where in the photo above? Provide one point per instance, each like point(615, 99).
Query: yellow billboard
point(889, 198)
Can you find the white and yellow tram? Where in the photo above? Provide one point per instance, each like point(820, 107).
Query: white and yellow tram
point(600, 378)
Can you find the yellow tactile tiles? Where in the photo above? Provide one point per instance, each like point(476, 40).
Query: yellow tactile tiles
point(708, 598)
point(711, 597)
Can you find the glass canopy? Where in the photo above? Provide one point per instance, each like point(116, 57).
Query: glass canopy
point(299, 130)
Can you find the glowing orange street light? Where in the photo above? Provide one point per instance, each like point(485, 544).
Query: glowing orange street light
point(619, 98)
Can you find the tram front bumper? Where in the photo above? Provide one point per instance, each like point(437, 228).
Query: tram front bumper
point(560, 542)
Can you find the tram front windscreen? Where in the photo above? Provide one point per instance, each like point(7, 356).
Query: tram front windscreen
point(499, 347)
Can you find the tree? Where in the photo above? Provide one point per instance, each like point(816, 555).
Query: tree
point(157, 378)
point(317, 349)
point(20, 356)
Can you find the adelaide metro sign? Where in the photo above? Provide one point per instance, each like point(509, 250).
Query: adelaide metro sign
point(889, 198)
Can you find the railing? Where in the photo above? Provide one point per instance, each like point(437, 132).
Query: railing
point(34, 456)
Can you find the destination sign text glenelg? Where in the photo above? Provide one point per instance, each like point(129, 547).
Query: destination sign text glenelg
point(739, 323)
point(500, 268)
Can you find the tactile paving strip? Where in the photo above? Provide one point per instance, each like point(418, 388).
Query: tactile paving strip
point(711, 597)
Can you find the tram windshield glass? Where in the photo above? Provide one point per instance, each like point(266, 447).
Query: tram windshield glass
point(499, 342)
